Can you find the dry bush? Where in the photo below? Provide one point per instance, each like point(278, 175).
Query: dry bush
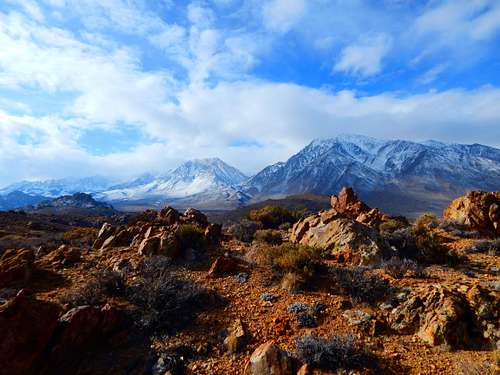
point(491, 247)
point(338, 351)
point(398, 268)
point(244, 230)
point(360, 284)
point(271, 217)
point(191, 237)
point(269, 236)
point(288, 257)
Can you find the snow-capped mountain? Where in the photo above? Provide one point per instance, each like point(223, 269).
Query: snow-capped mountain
point(206, 183)
point(400, 176)
point(57, 188)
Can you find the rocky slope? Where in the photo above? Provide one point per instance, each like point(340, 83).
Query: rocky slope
point(78, 203)
point(169, 293)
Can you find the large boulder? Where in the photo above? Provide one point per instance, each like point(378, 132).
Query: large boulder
point(26, 326)
point(346, 239)
point(439, 315)
point(194, 216)
point(269, 359)
point(106, 231)
point(63, 256)
point(16, 266)
point(477, 210)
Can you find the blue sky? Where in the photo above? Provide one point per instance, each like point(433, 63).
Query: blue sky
point(123, 87)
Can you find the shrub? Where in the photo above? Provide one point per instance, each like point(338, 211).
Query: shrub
point(288, 257)
point(164, 301)
point(397, 267)
point(269, 236)
point(391, 225)
point(419, 244)
point(426, 221)
point(80, 236)
point(244, 230)
point(103, 284)
point(491, 247)
point(336, 352)
point(191, 236)
point(271, 217)
point(359, 284)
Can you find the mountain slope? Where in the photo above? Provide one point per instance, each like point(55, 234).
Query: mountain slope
point(78, 203)
point(398, 176)
point(204, 183)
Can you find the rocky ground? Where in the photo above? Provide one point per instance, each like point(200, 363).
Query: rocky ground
point(348, 290)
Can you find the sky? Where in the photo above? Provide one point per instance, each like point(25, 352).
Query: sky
point(123, 87)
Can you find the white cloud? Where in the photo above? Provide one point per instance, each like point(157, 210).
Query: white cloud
point(365, 56)
point(282, 15)
point(432, 74)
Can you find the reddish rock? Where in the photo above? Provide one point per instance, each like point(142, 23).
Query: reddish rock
point(194, 216)
point(346, 239)
point(169, 216)
point(105, 232)
point(223, 265)
point(150, 246)
point(63, 256)
point(16, 266)
point(213, 233)
point(169, 245)
point(26, 327)
point(478, 210)
point(268, 359)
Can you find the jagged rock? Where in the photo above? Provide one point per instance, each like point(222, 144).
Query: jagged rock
point(105, 232)
point(80, 330)
point(150, 246)
point(478, 210)
point(213, 233)
point(486, 307)
point(169, 245)
point(268, 359)
point(236, 337)
point(26, 326)
point(123, 237)
point(16, 266)
point(439, 314)
point(346, 239)
point(194, 216)
point(223, 265)
point(63, 256)
point(169, 215)
point(348, 204)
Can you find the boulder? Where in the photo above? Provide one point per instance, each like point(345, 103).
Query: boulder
point(194, 216)
point(169, 245)
point(150, 246)
point(169, 215)
point(26, 326)
point(213, 233)
point(16, 266)
point(439, 315)
point(477, 210)
point(345, 238)
point(63, 256)
point(80, 330)
point(105, 232)
point(269, 359)
point(223, 265)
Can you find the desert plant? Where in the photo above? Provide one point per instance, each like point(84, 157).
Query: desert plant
point(244, 230)
point(164, 301)
point(426, 221)
point(271, 217)
point(288, 257)
point(397, 267)
point(491, 247)
point(191, 236)
point(360, 284)
point(338, 351)
point(103, 284)
point(391, 225)
point(269, 236)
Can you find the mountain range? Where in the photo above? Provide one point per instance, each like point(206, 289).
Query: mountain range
point(398, 176)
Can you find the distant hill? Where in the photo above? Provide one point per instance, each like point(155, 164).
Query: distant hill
point(75, 204)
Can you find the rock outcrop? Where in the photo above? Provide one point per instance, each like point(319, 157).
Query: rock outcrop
point(269, 359)
point(348, 240)
point(157, 233)
point(26, 325)
point(477, 210)
point(448, 315)
point(16, 266)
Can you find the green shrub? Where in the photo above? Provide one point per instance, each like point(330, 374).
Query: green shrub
point(272, 217)
point(269, 236)
point(244, 230)
point(191, 236)
point(288, 257)
point(391, 225)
